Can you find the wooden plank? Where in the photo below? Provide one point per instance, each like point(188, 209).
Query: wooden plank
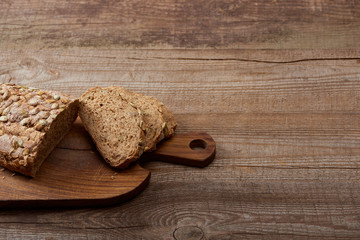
point(202, 81)
point(254, 203)
point(171, 24)
point(287, 129)
point(286, 122)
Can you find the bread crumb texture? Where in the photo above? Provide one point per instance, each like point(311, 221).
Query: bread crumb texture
point(124, 124)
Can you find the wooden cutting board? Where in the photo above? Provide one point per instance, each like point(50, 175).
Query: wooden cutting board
point(76, 175)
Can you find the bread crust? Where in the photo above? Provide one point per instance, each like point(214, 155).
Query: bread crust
point(32, 123)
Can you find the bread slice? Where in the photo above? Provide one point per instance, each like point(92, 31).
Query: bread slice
point(114, 125)
point(170, 123)
point(159, 121)
point(32, 123)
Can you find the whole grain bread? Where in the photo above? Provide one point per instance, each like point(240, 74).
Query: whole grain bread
point(32, 123)
point(159, 121)
point(115, 125)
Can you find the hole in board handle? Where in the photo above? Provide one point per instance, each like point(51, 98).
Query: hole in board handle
point(198, 145)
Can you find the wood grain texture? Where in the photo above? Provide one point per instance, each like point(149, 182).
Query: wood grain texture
point(170, 24)
point(196, 149)
point(286, 125)
point(275, 83)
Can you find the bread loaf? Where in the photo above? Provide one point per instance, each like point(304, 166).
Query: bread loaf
point(32, 123)
point(115, 126)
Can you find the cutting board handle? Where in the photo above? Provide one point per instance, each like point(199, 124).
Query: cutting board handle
point(195, 149)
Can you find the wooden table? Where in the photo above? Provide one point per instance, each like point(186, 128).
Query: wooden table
point(276, 83)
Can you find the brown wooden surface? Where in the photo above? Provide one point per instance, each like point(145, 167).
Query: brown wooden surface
point(275, 83)
point(194, 149)
point(75, 175)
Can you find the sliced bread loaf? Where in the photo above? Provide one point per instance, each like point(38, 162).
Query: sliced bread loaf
point(159, 121)
point(114, 125)
point(32, 123)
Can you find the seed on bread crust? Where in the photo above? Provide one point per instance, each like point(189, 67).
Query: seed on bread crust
point(25, 121)
point(17, 104)
point(23, 113)
point(34, 111)
point(3, 119)
point(6, 95)
point(44, 114)
point(33, 102)
point(26, 151)
point(20, 143)
point(165, 129)
point(55, 106)
point(50, 100)
point(6, 111)
point(14, 144)
point(43, 122)
point(8, 102)
point(15, 98)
